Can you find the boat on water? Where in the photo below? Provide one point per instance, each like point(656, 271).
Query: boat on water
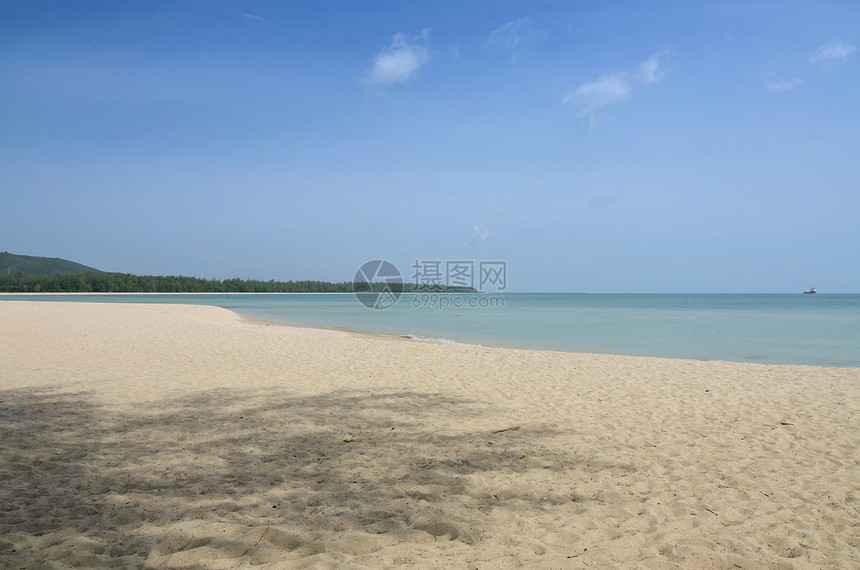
point(810, 292)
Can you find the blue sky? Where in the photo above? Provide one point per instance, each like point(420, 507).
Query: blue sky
point(715, 144)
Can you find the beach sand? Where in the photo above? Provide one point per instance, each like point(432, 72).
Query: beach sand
point(187, 436)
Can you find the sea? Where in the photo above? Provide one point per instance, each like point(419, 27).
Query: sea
point(819, 330)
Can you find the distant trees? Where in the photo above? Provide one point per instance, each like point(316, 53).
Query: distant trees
point(128, 283)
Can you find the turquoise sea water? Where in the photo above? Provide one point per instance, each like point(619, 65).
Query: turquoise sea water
point(821, 330)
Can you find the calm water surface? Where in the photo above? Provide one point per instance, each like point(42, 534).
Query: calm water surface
point(821, 330)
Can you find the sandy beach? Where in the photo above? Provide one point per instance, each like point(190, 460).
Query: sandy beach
point(190, 437)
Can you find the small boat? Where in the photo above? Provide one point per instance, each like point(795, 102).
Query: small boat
point(810, 292)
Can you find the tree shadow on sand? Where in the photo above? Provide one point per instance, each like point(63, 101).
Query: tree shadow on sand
point(229, 478)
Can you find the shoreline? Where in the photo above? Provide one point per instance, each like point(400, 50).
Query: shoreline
point(416, 335)
point(411, 336)
point(187, 435)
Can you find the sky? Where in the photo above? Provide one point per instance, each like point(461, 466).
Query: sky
point(605, 147)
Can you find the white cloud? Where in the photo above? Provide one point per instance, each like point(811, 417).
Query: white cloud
point(613, 88)
point(607, 90)
point(514, 34)
point(827, 52)
point(649, 70)
point(401, 60)
point(788, 85)
point(252, 17)
point(517, 37)
point(832, 50)
point(508, 35)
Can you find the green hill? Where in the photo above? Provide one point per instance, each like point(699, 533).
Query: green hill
point(11, 264)
point(25, 274)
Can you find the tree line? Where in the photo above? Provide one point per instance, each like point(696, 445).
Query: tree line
point(128, 283)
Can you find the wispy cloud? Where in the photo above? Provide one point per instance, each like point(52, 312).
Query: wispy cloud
point(612, 88)
point(607, 90)
point(401, 60)
point(788, 85)
point(510, 35)
point(252, 17)
point(649, 70)
point(832, 50)
point(224, 12)
point(516, 36)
